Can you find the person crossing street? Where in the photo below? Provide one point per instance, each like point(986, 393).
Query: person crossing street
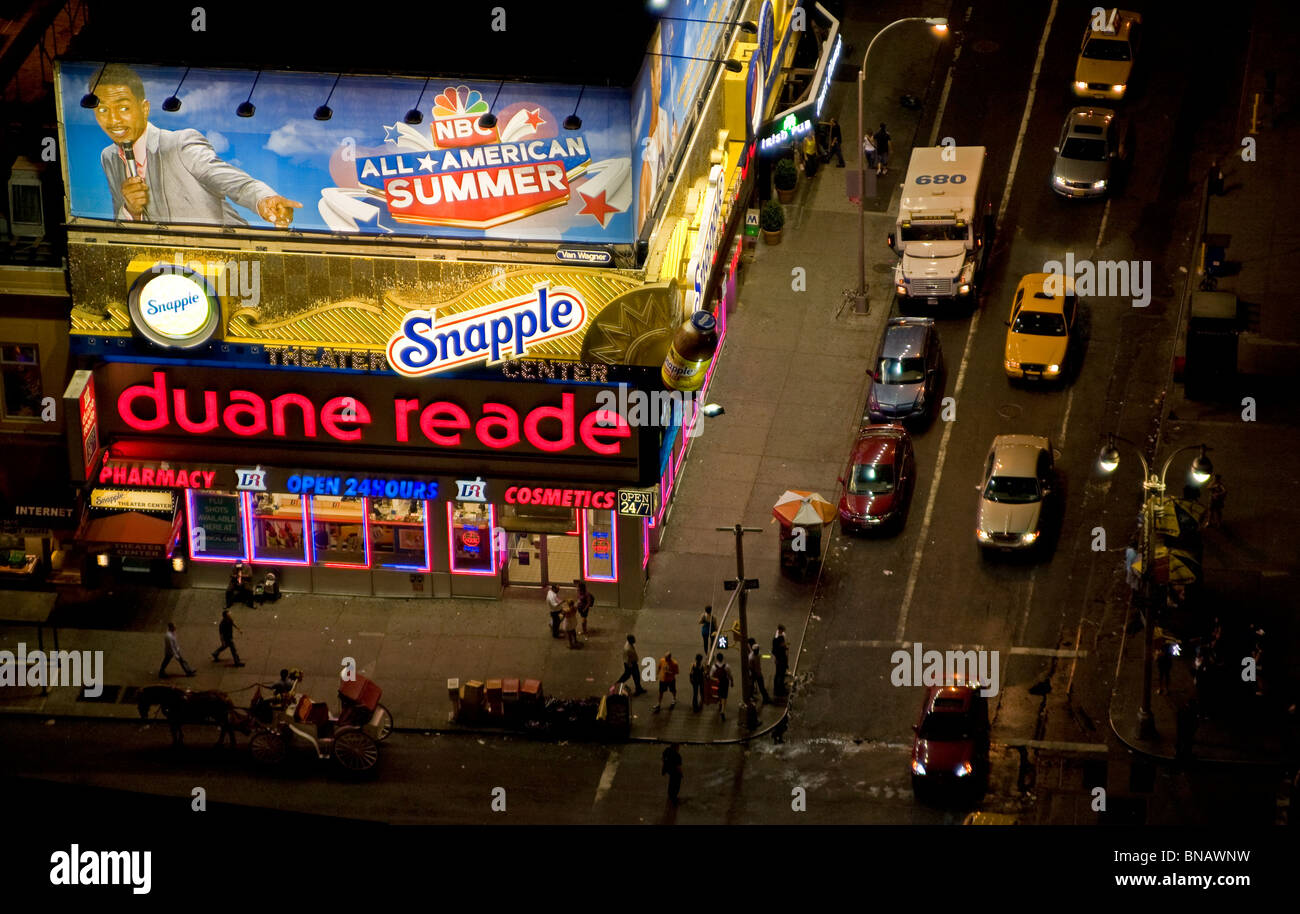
point(226, 629)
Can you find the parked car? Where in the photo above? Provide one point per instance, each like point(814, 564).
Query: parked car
point(1040, 328)
point(879, 480)
point(1088, 154)
point(952, 738)
point(908, 373)
point(1017, 495)
point(1105, 64)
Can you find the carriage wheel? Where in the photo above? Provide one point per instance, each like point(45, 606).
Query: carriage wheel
point(384, 728)
point(356, 750)
point(267, 747)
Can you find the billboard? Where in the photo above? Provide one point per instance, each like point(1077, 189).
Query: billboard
point(667, 87)
point(363, 171)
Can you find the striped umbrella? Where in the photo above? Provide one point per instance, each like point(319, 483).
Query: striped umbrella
point(797, 507)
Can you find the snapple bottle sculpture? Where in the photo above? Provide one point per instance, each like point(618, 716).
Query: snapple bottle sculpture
point(691, 352)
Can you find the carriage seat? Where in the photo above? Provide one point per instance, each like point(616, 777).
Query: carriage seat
point(312, 712)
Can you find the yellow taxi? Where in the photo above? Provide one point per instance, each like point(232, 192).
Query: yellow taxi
point(1038, 332)
point(1106, 56)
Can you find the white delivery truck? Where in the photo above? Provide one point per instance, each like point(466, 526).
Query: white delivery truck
point(942, 221)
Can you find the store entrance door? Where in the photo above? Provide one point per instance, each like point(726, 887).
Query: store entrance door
point(544, 546)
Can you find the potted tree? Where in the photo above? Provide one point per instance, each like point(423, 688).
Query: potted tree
point(771, 219)
point(784, 177)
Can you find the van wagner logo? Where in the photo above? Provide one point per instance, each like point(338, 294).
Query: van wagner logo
point(428, 343)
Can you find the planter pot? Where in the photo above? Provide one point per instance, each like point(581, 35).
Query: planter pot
point(772, 237)
point(785, 196)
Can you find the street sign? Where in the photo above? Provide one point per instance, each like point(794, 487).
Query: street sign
point(751, 223)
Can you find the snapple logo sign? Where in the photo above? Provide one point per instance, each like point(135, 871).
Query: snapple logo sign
point(172, 306)
point(427, 344)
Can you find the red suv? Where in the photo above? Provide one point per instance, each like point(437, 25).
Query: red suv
point(952, 738)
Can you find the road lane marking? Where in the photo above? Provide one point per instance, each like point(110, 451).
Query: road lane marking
point(905, 645)
point(1029, 602)
point(606, 777)
point(914, 573)
point(1024, 120)
point(1054, 745)
point(1065, 420)
point(1105, 213)
point(1048, 652)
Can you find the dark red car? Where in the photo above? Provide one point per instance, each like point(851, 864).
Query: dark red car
point(952, 737)
point(879, 480)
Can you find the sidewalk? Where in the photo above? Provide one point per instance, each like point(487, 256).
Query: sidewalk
point(1250, 566)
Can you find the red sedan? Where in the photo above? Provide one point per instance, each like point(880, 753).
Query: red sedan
point(951, 743)
point(879, 480)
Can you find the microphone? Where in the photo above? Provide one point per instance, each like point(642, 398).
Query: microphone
point(128, 150)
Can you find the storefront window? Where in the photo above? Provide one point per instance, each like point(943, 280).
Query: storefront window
point(599, 545)
point(276, 525)
point(470, 543)
point(20, 372)
point(338, 530)
point(216, 526)
point(399, 533)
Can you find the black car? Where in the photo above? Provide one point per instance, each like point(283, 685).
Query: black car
point(908, 372)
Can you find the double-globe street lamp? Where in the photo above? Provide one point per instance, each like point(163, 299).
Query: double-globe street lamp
point(940, 26)
point(1153, 488)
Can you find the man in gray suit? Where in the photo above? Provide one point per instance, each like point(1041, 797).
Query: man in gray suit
point(176, 175)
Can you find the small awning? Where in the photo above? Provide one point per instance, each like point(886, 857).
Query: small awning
point(131, 533)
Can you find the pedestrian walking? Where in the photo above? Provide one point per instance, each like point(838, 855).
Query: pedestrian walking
point(781, 655)
point(1215, 179)
point(1218, 495)
point(708, 627)
point(226, 629)
point(869, 151)
point(570, 623)
point(585, 602)
point(722, 674)
point(172, 648)
point(837, 143)
point(697, 675)
point(554, 608)
point(881, 140)
point(1164, 665)
point(667, 680)
point(756, 670)
point(673, 768)
point(631, 665)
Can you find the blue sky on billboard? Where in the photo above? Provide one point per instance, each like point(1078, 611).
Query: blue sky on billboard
point(527, 178)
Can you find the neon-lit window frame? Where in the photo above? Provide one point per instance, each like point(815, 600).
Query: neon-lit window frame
point(491, 536)
point(365, 534)
point(645, 542)
point(613, 546)
point(216, 559)
point(307, 544)
point(428, 554)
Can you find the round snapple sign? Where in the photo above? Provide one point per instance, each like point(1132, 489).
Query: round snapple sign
point(174, 306)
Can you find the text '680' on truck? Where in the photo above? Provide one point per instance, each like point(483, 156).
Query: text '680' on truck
point(943, 218)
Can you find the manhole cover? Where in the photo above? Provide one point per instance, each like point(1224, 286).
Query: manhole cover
point(984, 46)
point(1009, 411)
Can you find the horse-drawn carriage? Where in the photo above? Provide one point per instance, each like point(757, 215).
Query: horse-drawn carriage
point(352, 738)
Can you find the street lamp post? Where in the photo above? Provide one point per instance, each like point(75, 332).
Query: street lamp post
point(1153, 488)
point(940, 25)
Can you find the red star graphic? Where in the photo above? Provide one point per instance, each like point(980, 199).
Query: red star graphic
point(535, 118)
point(596, 206)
